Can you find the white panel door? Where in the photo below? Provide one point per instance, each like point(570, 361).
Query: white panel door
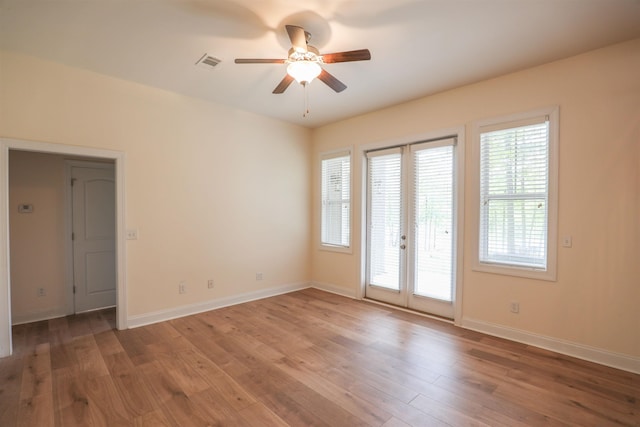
point(411, 226)
point(93, 211)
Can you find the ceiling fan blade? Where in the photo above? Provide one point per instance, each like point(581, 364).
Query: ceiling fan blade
point(331, 81)
point(258, 61)
point(284, 84)
point(352, 55)
point(298, 38)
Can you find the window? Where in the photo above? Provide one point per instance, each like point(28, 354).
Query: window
point(517, 206)
point(336, 200)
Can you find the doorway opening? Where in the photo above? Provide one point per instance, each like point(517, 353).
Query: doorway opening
point(99, 156)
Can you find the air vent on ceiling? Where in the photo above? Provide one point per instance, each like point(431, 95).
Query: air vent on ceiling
point(208, 62)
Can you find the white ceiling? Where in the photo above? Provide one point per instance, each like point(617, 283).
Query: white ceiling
point(418, 47)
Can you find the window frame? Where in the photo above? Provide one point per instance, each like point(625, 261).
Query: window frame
point(514, 269)
point(328, 155)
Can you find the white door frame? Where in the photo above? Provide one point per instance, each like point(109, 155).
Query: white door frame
point(459, 133)
point(118, 157)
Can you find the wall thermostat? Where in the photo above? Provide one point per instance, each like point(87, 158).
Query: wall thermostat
point(25, 208)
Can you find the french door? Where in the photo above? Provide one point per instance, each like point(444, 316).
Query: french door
point(411, 226)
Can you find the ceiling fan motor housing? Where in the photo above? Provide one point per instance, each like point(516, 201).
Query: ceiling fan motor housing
point(312, 54)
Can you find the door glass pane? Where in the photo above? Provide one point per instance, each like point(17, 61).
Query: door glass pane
point(433, 219)
point(385, 220)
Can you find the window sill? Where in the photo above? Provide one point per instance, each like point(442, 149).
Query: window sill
point(517, 271)
point(338, 249)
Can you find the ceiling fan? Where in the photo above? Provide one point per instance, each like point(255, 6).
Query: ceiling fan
point(305, 62)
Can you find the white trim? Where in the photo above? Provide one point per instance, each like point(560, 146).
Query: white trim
point(68, 243)
point(335, 248)
point(332, 154)
point(550, 273)
point(459, 210)
point(512, 121)
point(6, 346)
point(118, 157)
point(364, 189)
point(569, 348)
point(334, 289)
point(200, 307)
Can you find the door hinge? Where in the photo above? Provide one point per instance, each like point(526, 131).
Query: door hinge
point(73, 236)
point(73, 181)
point(74, 289)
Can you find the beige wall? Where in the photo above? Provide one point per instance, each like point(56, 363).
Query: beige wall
point(214, 192)
point(595, 300)
point(37, 239)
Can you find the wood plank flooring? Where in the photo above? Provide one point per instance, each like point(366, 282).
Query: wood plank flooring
point(307, 358)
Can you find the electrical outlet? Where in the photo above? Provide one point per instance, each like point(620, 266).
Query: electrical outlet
point(182, 288)
point(210, 284)
point(42, 292)
point(515, 307)
point(132, 234)
point(259, 276)
point(567, 242)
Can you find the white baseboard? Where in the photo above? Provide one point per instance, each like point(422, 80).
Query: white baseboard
point(188, 310)
point(339, 290)
point(38, 316)
point(581, 351)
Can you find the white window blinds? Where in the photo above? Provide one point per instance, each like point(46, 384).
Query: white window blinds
point(433, 218)
point(514, 193)
point(336, 199)
point(385, 217)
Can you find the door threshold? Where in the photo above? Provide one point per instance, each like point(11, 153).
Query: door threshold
point(408, 310)
point(91, 310)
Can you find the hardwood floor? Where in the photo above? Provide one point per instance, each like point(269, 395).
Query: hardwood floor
point(300, 359)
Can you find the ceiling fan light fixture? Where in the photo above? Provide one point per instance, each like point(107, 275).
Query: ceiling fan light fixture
point(304, 62)
point(304, 71)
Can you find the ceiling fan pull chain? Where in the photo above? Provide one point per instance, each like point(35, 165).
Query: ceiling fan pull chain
point(306, 100)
